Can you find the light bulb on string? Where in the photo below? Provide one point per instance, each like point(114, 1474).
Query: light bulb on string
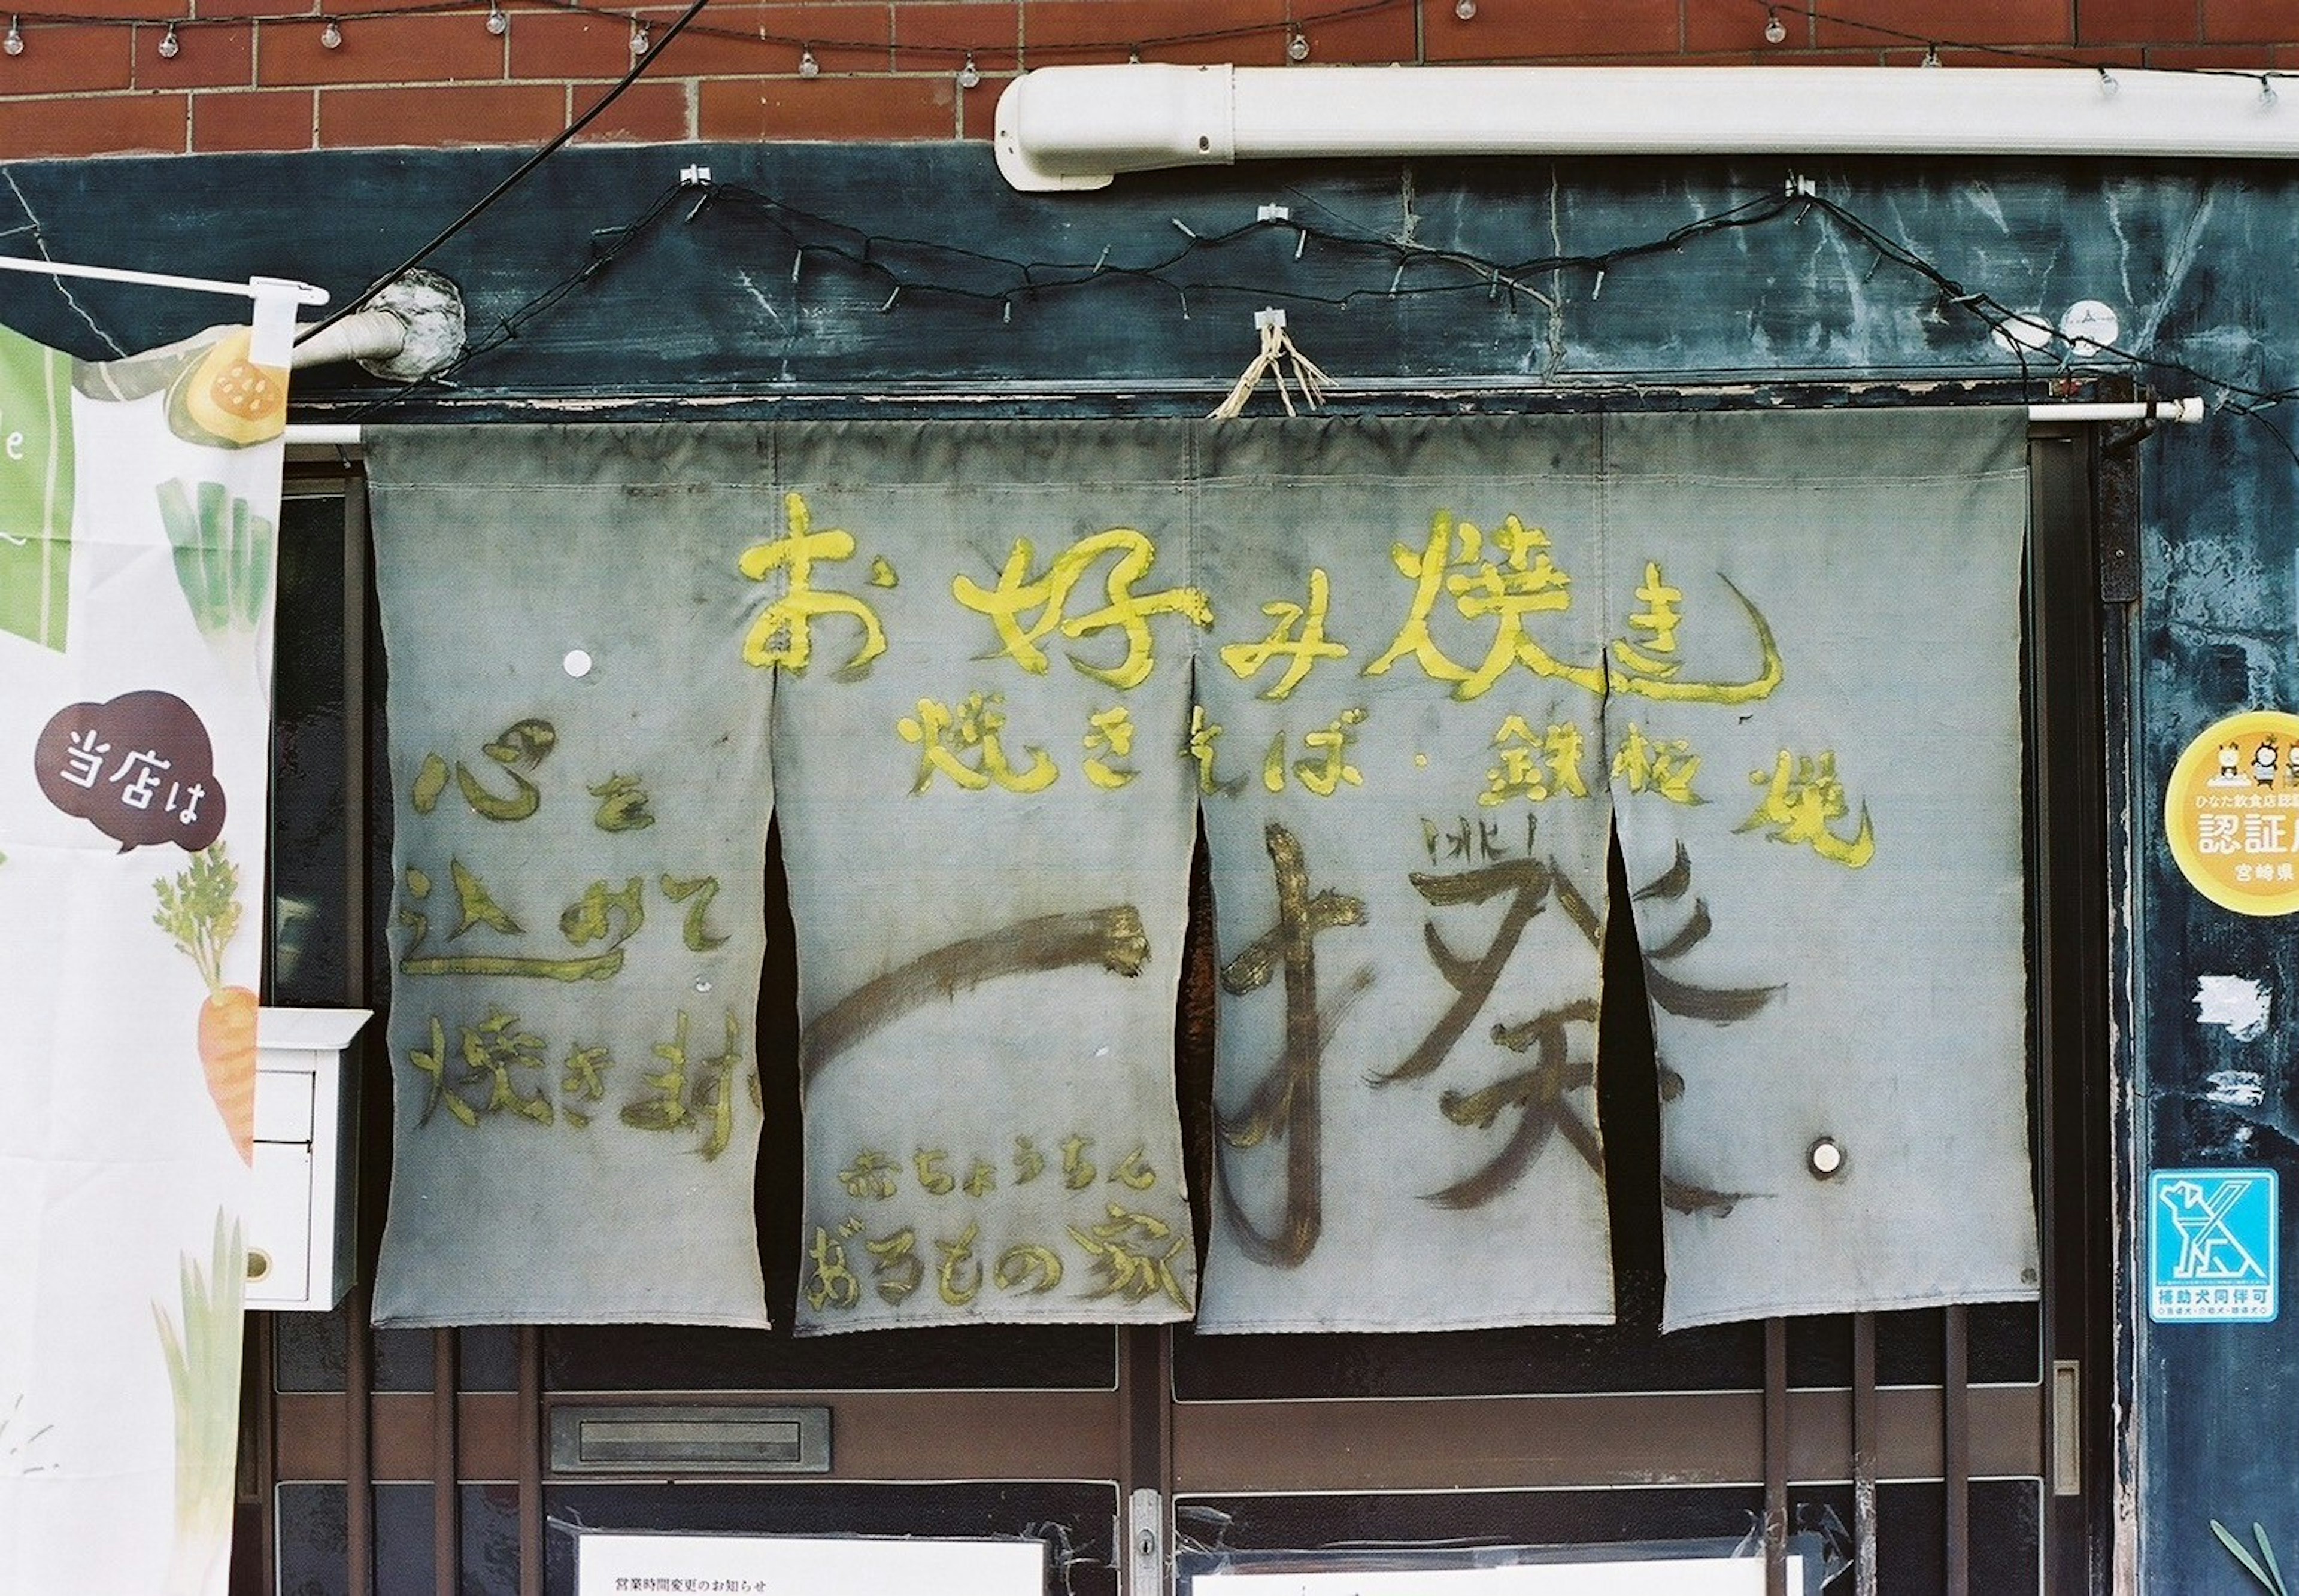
point(1931, 55)
point(969, 76)
point(807, 66)
point(1297, 48)
point(2267, 96)
point(14, 43)
point(641, 40)
point(1775, 30)
point(171, 46)
point(498, 23)
point(331, 37)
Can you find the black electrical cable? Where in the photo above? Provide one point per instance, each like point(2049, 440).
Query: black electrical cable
point(519, 174)
point(884, 256)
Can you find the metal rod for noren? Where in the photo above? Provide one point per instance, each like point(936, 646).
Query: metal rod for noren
point(253, 288)
point(530, 1461)
point(446, 1501)
point(359, 1479)
point(1776, 1457)
point(1955, 1454)
point(1863, 1454)
point(346, 436)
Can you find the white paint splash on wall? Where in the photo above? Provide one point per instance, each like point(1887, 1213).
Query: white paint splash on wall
point(2238, 1088)
point(2235, 1002)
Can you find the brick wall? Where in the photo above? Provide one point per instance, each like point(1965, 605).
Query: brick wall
point(96, 77)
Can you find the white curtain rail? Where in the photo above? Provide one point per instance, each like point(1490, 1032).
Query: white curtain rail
point(346, 437)
point(255, 287)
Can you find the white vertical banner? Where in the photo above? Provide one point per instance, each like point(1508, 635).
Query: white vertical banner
point(139, 501)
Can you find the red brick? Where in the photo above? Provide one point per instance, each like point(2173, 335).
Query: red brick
point(1786, 57)
point(1517, 31)
point(1056, 32)
point(419, 49)
point(2017, 55)
point(748, 41)
point(254, 8)
point(63, 59)
point(2139, 21)
point(102, 125)
point(1946, 21)
point(217, 56)
point(1375, 37)
point(977, 107)
point(2242, 58)
point(750, 109)
point(570, 45)
point(111, 8)
point(645, 113)
point(1739, 25)
point(935, 37)
point(2268, 22)
point(433, 118)
point(270, 119)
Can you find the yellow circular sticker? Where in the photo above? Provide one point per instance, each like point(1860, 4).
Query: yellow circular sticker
point(2232, 813)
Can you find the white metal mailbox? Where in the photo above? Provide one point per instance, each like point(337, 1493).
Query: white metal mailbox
point(301, 1220)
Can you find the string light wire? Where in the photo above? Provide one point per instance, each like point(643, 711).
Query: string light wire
point(906, 267)
point(641, 59)
point(1136, 42)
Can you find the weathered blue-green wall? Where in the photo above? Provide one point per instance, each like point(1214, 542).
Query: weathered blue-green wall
point(2200, 263)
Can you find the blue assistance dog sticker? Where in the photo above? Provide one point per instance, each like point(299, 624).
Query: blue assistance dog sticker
point(2211, 1255)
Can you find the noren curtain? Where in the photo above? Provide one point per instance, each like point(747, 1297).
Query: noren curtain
point(1410, 675)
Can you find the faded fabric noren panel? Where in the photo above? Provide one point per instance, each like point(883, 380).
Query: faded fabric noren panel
point(578, 763)
point(1813, 726)
point(987, 823)
point(1400, 778)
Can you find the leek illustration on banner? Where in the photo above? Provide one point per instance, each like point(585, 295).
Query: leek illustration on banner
point(35, 491)
point(200, 1344)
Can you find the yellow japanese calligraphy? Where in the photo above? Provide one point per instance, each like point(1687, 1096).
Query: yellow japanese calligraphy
point(927, 1162)
point(1029, 1265)
point(1113, 735)
point(960, 1277)
point(895, 1263)
point(1524, 582)
point(1029, 1163)
point(1133, 1255)
point(1518, 773)
point(1648, 667)
point(1018, 594)
point(1205, 731)
point(977, 729)
point(872, 1174)
point(830, 1284)
point(1646, 765)
point(1300, 651)
point(783, 633)
point(1325, 774)
point(1802, 796)
point(1135, 1172)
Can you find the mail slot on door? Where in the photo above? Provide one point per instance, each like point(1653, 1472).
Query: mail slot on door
point(302, 1217)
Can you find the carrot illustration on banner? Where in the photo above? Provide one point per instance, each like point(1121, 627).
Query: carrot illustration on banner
point(199, 910)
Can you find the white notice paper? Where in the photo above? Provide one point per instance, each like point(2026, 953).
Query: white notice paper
point(631, 1565)
point(1670, 1576)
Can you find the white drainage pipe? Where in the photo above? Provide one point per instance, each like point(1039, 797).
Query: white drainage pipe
point(1078, 127)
